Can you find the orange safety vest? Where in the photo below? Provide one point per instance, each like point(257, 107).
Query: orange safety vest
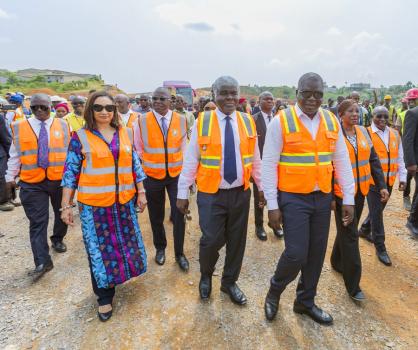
point(305, 162)
point(103, 179)
point(161, 156)
point(18, 114)
point(388, 158)
point(26, 143)
point(360, 162)
point(133, 117)
point(210, 147)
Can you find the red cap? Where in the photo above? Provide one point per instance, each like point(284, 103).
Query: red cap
point(412, 94)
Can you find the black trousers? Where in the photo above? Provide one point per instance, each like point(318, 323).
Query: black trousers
point(155, 193)
point(35, 200)
point(258, 212)
point(306, 220)
point(413, 216)
point(345, 257)
point(407, 191)
point(374, 221)
point(223, 219)
point(3, 167)
point(104, 295)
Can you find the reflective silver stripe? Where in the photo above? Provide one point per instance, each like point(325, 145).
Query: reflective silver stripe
point(58, 150)
point(161, 165)
point(161, 150)
point(29, 152)
point(393, 173)
point(83, 139)
point(29, 166)
point(206, 123)
point(16, 135)
point(107, 171)
point(328, 120)
point(144, 130)
point(56, 164)
point(98, 189)
point(247, 123)
point(130, 135)
point(360, 163)
point(248, 160)
point(183, 127)
point(324, 158)
point(66, 133)
point(210, 162)
point(365, 134)
point(364, 178)
point(297, 159)
point(290, 120)
point(384, 161)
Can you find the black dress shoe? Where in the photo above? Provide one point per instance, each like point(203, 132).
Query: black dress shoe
point(160, 257)
point(359, 296)
point(384, 258)
point(366, 235)
point(59, 247)
point(279, 233)
point(41, 270)
point(105, 316)
point(314, 312)
point(260, 233)
point(412, 228)
point(183, 262)
point(235, 294)
point(271, 305)
point(205, 287)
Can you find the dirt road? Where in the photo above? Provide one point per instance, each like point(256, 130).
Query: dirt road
point(162, 310)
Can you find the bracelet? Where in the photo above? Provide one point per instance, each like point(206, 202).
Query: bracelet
point(67, 207)
point(142, 191)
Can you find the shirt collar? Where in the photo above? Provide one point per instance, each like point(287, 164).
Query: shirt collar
point(222, 115)
point(48, 122)
point(376, 129)
point(300, 113)
point(159, 116)
point(265, 115)
point(127, 113)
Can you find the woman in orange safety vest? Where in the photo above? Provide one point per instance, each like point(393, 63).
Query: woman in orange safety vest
point(104, 168)
point(345, 257)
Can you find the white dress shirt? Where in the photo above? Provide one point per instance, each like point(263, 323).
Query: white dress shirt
point(125, 117)
point(139, 144)
point(384, 136)
point(13, 163)
point(192, 157)
point(274, 146)
point(266, 117)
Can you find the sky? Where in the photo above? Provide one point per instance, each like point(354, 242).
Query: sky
point(137, 44)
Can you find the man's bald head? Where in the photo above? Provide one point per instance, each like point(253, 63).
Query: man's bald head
point(161, 91)
point(122, 103)
point(380, 110)
point(355, 96)
point(309, 77)
point(122, 98)
point(161, 100)
point(40, 99)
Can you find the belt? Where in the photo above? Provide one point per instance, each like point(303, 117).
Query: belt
point(239, 188)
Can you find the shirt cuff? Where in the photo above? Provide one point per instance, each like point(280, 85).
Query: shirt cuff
point(348, 200)
point(272, 204)
point(402, 178)
point(9, 178)
point(183, 194)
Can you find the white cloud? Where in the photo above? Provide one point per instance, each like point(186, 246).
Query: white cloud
point(253, 24)
point(5, 15)
point(334, 31)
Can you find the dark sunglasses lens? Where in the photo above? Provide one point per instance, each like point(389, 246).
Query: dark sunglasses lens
point(39, 107)
point(382, 116)
point(318, 95)
point(77, 104)
point(110, 108)
point(162, 99)
point(143, 100)
point(98, 108)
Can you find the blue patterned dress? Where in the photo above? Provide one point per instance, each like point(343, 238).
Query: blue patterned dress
point(111, 235)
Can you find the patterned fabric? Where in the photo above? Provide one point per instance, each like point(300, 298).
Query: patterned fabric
point(43, 149)
point(111, 235)
point(353, 140)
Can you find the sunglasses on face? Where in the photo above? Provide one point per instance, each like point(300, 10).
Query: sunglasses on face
point(143, 99)
point(382, 116)
point(77, 104)
point(162, 99)
point(108, 108)
point(308, 94)
point(36, 108)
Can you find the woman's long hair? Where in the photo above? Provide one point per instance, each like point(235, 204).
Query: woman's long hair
point(89, 113)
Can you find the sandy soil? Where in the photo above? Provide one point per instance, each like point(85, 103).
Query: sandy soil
point(162, 310)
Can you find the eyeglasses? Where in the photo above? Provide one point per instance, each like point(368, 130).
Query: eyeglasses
point(108, 108)
point(75, 104)
point(143, 99)
point(36, 108)
point(381, 116)
point(308, 94)
point(162, 99)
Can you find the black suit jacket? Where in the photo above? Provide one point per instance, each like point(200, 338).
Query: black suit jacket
point(5, 138)
point(410, 137)
point(261, 130)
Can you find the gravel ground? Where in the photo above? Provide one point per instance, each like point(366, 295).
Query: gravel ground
point(162, 310)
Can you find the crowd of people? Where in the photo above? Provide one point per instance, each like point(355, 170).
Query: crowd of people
point(115, 156)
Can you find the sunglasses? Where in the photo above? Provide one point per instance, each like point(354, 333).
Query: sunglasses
point(36, 108)
point(382, 116)
point(143, 99)
point(162, 99)
point(308, 94)
point(108, 108)
point(77, 104)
